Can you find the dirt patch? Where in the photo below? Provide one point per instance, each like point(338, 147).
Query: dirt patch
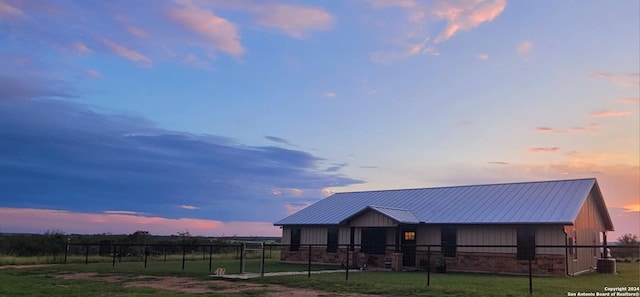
point(194, 286)
point(26, 266)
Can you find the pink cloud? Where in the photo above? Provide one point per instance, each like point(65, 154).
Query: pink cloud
point(126, 53)
point(483, 57)
point(137, 31)
point(123, 222)
point(525, 48)
point(629, 100)
point(93, 73)
point(222, 33)
point(81, 47)
point(609, 113)
point(625, 80)
point(543, 149)
point(8, 10)
point(294, 20)
point(463, 16)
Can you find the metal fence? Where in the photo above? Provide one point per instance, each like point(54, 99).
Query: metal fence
point(240, 253)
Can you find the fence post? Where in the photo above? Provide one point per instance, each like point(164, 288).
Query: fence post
point(86, 255)
point(309, 264)
point(242, 258)
point(428, 265)
point(346, 275)
point(66, 250)
point(146, 254)
point(114, 255)
point(530, 280)
point(210, 257)
point(165, 253)
point(184, 253)
point(262, 264)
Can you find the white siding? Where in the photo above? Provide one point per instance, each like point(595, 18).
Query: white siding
point(587, 227)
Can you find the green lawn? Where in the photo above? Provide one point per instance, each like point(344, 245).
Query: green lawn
point(461, 284)
point(42, 281)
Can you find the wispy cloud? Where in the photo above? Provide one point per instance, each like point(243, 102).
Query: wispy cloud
point(93, 73)
point(629, 100)
point(127, 53)
point(625, 80)
point(483, 57)
point(8, 10)
point(329, 94)
point(189, 207)
point(222, 33)
point(81, 47)
point(464, 16)
point(543, 149)
point(592, 127)
point(278, 139)
point(609, 113)
point(295, 20)
point(499, 163)
point(525, 48)
point(416, 36)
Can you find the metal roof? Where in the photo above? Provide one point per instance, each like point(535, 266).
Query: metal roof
point(544, 202)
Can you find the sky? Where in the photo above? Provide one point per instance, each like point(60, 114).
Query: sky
point(222, 117)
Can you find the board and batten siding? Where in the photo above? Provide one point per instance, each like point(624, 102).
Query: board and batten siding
point(493, 235)
point(317, 235)
point(586, 229)
point(371, 218)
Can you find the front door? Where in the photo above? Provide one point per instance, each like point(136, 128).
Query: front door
point(408, 237)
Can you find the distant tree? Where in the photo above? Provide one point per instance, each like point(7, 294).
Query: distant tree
point(53, 242)
point(628, 239)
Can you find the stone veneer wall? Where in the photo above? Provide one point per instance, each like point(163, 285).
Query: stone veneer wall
point(504, 263)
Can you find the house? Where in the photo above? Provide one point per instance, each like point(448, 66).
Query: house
point(373, 226)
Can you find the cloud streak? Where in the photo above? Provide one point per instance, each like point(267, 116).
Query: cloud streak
point(543, 149)
point(609, 113)
point(591, 128)
point(625, 80)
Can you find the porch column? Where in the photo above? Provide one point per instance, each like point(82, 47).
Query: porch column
point(353, 238)
point(397, 238)
point(605, 254)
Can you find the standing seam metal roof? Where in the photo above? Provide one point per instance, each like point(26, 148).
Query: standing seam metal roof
point(511, 203)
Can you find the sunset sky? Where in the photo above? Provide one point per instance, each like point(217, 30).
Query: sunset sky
point(222, 117)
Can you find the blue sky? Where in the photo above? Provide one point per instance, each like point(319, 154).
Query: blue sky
point(222, 117)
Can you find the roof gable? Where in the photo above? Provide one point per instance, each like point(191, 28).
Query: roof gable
point(403, 216)
point(513, 203)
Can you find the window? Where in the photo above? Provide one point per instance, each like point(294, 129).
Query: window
point(409, 235)
point(526, 243)
point(332, 240)
point(448, 240)
point(374, 240)
point(295, 239)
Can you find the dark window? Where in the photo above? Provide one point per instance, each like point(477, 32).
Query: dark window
point(448, 240)
point(374, 240)
point(295, 239)
point(332, 240)
point(526, 244)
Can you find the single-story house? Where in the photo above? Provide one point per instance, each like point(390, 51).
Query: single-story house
point(372, 226)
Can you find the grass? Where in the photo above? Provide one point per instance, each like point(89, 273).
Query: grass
point(460, 284)
point(41, 281)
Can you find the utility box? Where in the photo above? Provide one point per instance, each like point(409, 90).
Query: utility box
point(396, 261)
point(607, 265)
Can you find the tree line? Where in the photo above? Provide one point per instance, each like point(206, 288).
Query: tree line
point(54, 242)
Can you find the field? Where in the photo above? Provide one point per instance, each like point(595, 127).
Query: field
point(161, 278)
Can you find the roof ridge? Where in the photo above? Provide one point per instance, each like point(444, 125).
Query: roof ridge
point(464, 186)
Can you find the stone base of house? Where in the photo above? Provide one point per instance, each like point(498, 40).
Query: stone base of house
point(501, 263)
